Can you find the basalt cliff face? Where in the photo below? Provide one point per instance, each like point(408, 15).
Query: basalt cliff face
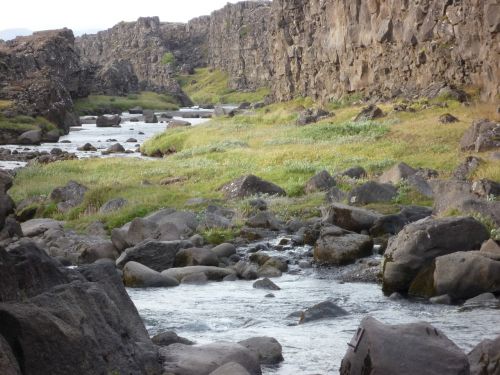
point(239, 43)
point(129, 57)
point(41, 74)
point(329, 48)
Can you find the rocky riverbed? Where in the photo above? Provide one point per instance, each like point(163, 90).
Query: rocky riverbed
point(131, 133)
point(234, 311)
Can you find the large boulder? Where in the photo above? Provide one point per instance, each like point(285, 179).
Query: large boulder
point(196, 257)
point(393, 224)
point(163, 225)
point(337, 246)
point(321, 181)
point(454, 195)
point(136, 275)
point(464, 275)
point(37, 227)
point(483, 135)
point(202, 360)
point(484, 359)
point(372, 192)
point(49, 313)
point(231, 368)
point(406, 349)
point(157, 255)
point(224, 250)
point(419, 243)
point(350, 218)
point(212, 273)
point(112, 205)
point(320, 311)
point(249, 185)
point(267, 349)
point(368, 113)
point(31, 137)
point(264, 219)
point(168, 338)
point(397, 173)
point(311, 115)
point(108, 121)
point(150, 117)
point(68, 196)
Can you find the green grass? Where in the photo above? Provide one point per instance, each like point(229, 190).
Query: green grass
point(266, 143)
point(208, 86)
point(20, 124)
point(146, 100)
point(168, 59)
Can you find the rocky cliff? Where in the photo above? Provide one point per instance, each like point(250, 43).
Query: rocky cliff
point(326, 48)
point(41, 74)
point(130, 56)
point(239, 43)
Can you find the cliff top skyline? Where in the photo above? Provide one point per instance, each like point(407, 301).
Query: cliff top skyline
point(22, 18)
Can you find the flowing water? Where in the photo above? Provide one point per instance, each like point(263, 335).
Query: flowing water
point(234, 311)
point(101, 138)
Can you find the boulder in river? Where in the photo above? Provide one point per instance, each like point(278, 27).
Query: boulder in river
point(249, 185)
point(196, 257)
point(115, 149)
point(484, 359)
point(136, 275)
point(157, 255)
point(172, 124)
point(231, 368)
point(86, 147)
point(168, 338)
point(150, 117)
point(320, 311)
point(337, 246)
point(212, 273)
point(136, 110)
point(31, 137)
point(203, 359)
point(265, 283)
point(413, 250)
point(267, 349)
point(405, 349)
point(108, 121)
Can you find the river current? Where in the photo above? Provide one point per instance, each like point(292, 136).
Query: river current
point(234, 311)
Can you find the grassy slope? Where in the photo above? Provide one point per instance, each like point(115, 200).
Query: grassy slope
point(20, 124)
point(212, 87)
point(146, 100)
point(266, 143)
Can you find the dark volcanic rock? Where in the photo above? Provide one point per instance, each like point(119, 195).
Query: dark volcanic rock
point(108, 121)
point(49, 314)
point(68, 196)
point(413, 250)
point(323, 310)
point(250, 185)
point(169, 338)
point(42, 73)
point(483, 135)
point(372, 192)
point(321, 181)
point(371, 112)
point(484, 359)
point(405, 349)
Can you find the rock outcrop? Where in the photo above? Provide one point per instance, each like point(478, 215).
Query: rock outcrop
point(130, 56)
point(41, 74)
point(49, 313)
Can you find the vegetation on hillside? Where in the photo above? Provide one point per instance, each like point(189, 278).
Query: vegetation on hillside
point(146, 100)
point(268, 143)
point(210, 86)
point(20, 124)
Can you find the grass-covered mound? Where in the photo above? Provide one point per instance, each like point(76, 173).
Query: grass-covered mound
point(146, 100)
point(207, 86)
point(266, 143)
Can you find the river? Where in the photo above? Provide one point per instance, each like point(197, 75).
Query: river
point(234, 311)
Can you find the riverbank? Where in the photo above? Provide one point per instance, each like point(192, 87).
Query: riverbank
point(269, 143)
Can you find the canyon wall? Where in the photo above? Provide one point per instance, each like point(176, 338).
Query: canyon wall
point(326, 48)
point(239, 43)
point(41, 74)
point(129, 57)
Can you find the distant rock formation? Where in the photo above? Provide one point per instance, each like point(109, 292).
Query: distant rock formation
point(41, 74)
point(129, 57)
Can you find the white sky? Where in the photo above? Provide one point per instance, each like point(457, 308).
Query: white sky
point(84, 15)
